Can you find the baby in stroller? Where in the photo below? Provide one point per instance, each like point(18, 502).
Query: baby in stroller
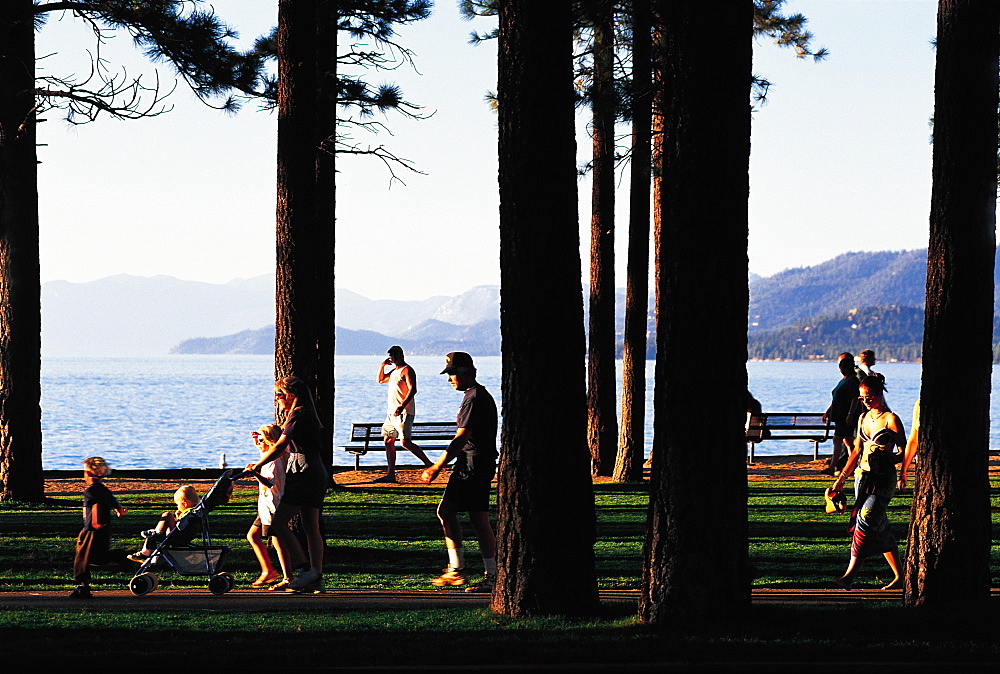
point(186, 498)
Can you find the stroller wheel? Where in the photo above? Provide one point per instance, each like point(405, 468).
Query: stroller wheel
point(220, 583)
point(142, 584)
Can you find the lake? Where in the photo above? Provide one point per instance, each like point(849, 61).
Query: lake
point(186, 411)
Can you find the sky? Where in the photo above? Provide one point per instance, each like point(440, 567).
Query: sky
point(840, 161)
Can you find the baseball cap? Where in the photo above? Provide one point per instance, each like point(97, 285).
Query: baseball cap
point(457, 359)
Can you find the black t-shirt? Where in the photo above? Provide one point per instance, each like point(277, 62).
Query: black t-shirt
point(302, 429)
point(478, 416)
point(100, 495)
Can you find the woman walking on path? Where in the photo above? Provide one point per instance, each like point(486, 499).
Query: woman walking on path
point(306, 480)
point(880, 431)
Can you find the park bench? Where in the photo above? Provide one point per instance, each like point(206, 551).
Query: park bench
point(788, 426)
point(367, 437)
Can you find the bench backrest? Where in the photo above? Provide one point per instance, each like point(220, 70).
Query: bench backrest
point(422, 430)
point(788, 426)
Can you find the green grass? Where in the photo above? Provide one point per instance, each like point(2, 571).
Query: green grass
point(388, 538)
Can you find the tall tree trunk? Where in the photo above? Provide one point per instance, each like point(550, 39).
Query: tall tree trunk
point(326, 214)
point(949, 542)
point(20, 294)
point(659, 106)
point(304, 332)
point(696, 560)
point(602, 424)
point(632, 441)
point(545, 495)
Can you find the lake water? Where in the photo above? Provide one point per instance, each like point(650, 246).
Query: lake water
point(185, 411)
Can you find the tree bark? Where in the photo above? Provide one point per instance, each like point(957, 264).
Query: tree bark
point(20, 294)
point(631, 442)
point(545, 496)
point(949, 541)
point(696, 559)
point(602, 423)
point(304, 323)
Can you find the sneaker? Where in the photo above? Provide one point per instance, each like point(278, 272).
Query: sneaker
point(81, 593)
point(140, 556)
point(450, 578)
point(485, 586)
point(312, 587)
point(304, 580)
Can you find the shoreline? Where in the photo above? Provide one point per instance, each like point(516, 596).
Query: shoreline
point(69, 483)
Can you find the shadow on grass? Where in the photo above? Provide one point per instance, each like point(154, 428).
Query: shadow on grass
point(475, 637)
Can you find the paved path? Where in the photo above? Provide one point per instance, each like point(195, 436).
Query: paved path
point(256, 600)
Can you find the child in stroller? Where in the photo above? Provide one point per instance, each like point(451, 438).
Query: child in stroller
point(186, 498)
point(187, 549)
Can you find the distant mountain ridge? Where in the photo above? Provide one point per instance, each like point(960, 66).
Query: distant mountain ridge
point(854, 301)
point(126, 315)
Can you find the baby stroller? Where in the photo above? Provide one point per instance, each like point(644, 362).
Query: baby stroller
point(181, 550)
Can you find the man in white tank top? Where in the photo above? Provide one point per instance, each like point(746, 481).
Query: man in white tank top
point(400, 409)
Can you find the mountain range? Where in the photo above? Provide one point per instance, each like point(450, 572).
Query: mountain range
point(854, 301)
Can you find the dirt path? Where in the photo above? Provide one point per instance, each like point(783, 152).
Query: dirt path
point(796, 467)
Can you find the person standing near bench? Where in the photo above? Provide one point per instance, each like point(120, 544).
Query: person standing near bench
point(400, 410)
point(844, 397)
point(474, 448)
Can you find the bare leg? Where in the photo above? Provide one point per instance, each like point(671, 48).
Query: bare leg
point(267, 570)
point(416, 451)
point(390, 459)
point(289, 549)
point(847, 580)
point(167, 522)
point(314, 538)
point(893, 560)
point(286, 571)
point(452, 528)
point(484, 532)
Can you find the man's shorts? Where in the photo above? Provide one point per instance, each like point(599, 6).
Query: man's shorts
point(468, 494)
point(400, 428)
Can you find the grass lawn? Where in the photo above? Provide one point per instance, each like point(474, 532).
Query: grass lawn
point(388, 538)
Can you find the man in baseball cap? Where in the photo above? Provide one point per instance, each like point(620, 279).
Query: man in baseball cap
point(475, 452)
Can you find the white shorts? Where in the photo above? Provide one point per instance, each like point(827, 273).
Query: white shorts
point(400, 428)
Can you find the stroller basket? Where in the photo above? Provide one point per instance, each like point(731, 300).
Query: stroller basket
point(202, 561)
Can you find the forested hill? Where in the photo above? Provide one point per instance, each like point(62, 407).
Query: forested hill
point(849, 281)
point(855, 301)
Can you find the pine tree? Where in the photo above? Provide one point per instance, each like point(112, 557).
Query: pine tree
point(545, 496)
point(696, 559)
point(949, 543)
point(310, 89)
point(196, 45)
point(631, 443)
point(602, 422)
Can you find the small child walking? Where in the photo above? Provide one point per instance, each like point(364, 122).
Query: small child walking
point(93, 545)
point(272, 483)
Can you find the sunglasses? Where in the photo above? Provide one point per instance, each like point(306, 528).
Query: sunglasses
point(868, 399)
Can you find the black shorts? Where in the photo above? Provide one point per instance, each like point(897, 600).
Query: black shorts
point(468, 494)
point(306, 489)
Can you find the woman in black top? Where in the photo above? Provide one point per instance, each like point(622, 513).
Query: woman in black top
point(306, 480)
